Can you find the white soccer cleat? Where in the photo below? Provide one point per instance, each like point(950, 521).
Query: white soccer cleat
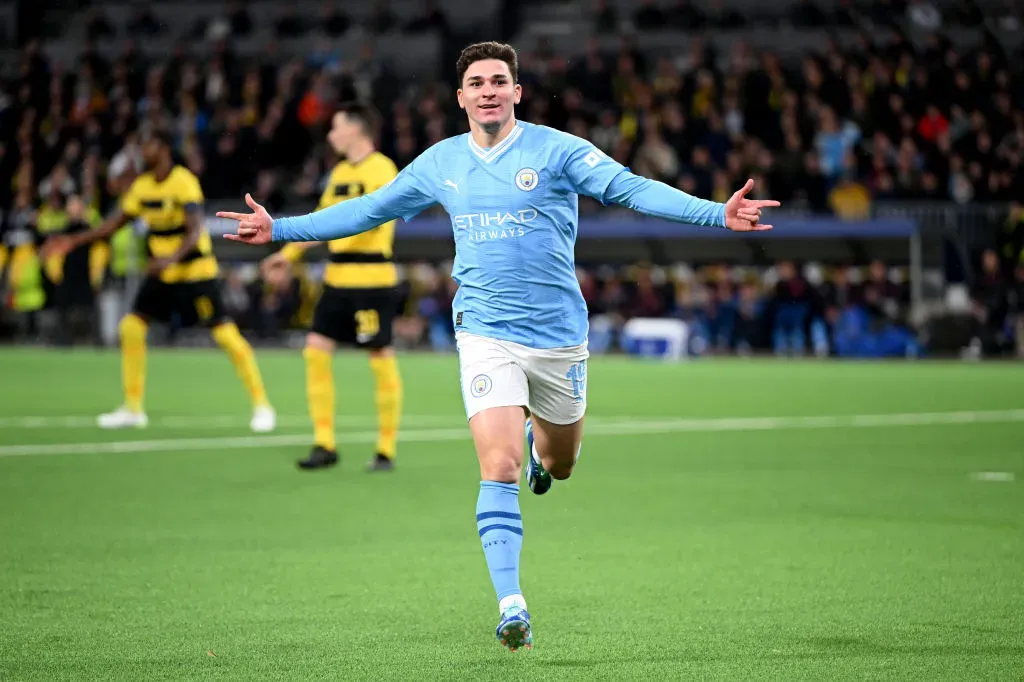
point(123, 418)
point(264, 419)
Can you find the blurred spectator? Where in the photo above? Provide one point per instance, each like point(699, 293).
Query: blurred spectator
point(889, 296)
point(849, 198)
point(991, 299)
point(748, 328)
point(1011, 238)
point(646, 300)
point(790, 311)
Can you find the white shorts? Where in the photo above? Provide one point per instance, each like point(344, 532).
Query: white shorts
point(551, 382)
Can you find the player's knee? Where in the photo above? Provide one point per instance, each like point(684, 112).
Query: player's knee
point(225, 333)
point(318, 342)
point(501, 463)
point(132, 327)
point(561, 470)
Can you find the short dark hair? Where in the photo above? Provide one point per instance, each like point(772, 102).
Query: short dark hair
point(164, 138)
point(366, 114)
point(489, 50)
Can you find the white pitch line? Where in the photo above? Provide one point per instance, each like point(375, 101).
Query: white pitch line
point(217, 421)
point(623, 428)
point(994, 476)
point(819, 422)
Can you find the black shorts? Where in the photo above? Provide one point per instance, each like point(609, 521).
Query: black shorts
point(356, 317)
point(187, 303)
point(75, 288)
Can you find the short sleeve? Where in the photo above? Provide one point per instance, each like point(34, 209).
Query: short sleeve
point(327, 196)
point(191, 192)
point(130, 204)
point(383, 172)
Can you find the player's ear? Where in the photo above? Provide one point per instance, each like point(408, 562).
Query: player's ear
point(458, 95)
point(518, 93)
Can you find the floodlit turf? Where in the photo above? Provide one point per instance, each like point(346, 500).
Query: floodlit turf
point(729, 536)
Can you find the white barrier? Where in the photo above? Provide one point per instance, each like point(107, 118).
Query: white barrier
point(656, 337)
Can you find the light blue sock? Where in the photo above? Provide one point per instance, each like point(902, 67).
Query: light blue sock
point(501, 531)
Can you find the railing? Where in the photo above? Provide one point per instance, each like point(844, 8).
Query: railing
point(966, 228)
point(974, 222)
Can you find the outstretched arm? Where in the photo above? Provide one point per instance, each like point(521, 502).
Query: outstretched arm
point(334, 222)
point(65, 244)
point(593, 173)
point(403, 198)
point(654, 198)
point(657, 199)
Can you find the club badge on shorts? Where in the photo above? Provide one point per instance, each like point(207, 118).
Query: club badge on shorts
point(480, 386)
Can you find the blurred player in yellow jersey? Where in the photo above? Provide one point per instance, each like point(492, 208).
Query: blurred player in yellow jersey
point(359, 300)
point(182, 277)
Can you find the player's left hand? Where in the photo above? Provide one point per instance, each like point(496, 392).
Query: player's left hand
point(744, 215)
point(157, 265)
point(59, 245)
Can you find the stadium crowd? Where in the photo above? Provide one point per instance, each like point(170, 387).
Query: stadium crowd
point(831, 133)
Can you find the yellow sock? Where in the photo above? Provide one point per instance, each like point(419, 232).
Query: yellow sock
point(389, 402)
point(238, 349)
point(133, 360)
point(320, 393)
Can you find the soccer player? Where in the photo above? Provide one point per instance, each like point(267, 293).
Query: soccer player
point(359, 300)
point(511, 189)
point(182, 277)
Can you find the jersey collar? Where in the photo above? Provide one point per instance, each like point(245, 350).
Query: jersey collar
point(488, 155)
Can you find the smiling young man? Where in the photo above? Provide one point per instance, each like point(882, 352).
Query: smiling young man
point(511, 189)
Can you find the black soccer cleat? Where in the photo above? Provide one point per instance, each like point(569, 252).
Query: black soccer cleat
point(380, 463)
point(319, 458)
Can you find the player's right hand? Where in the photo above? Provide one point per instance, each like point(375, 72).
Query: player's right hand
point(253, 228)
point(55, 246)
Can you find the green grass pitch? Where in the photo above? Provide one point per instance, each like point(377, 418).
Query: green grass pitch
point(731, 520)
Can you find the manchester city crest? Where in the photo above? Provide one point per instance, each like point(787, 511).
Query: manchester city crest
point(480, 386)
point(526, 179)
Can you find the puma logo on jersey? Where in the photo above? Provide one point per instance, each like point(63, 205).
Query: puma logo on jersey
point(455, 185)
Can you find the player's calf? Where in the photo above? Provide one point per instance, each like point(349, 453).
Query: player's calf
point(557, 445)
point(537, 476)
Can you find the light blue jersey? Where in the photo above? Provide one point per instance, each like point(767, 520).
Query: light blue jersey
point(514, 210)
